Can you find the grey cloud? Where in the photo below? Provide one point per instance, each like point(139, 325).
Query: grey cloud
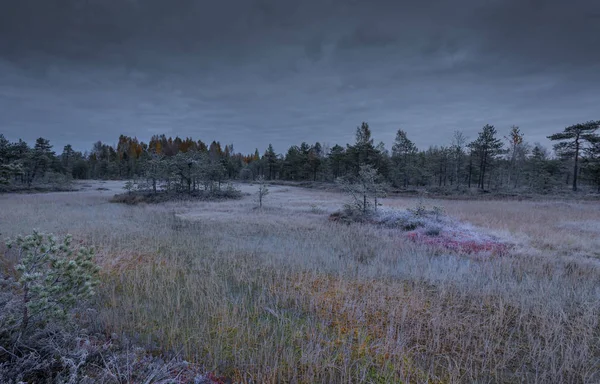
point(369, 36)
point(257, 71)
point(313, 48)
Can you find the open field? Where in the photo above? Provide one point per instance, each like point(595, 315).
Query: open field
point(284, 295)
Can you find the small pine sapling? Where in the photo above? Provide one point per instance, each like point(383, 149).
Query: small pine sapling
point(52, 277)
point(263, 190)
point(129, 186)
point(361, 189)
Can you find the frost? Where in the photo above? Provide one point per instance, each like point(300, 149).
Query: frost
point(434, 228)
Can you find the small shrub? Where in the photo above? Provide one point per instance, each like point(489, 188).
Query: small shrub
point(129, 186)
point(314, 208)
point(51, 277)
point(410, 223)
point(138, 197)
point(349, 214)
point(404, 220)
point(438, 212)
point(231, 191)
point(419, 210)
point(142, 185)
point(433, 230)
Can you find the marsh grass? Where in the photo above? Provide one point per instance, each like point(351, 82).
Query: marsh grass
point(286, 296)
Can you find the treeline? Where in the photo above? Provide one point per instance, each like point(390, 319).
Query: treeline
point(24, 167)
point(490, 161)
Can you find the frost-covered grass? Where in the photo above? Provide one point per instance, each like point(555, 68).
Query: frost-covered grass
point(284, 295)
point(440, 231)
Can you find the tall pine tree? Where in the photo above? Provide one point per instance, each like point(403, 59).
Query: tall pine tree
point(574, 139)
point(486, 147)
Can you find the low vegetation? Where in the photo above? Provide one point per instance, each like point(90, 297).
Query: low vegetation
point(47, 285)
point(425, 226)
point(288, 296)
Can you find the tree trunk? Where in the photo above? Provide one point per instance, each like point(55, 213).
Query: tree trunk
point(470, 169)
point(480, 176)
point(576, 163)
point(456, 172)
point(25, 320)
point(484, 163)
point(481, 172)
point(441, 171)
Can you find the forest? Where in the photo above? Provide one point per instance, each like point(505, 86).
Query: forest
point(492, 161)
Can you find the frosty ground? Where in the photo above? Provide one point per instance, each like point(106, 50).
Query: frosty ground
point(283, 294)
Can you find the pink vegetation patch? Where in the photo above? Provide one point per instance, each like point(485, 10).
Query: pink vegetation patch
point(460, 242)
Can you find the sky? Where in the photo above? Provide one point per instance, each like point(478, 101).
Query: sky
point(254, 72)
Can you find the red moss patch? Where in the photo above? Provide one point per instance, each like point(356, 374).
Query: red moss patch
point(460, 243)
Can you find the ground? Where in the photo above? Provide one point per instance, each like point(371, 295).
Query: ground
point(283, 294)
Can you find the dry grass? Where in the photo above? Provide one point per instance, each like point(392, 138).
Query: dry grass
point(282, 295)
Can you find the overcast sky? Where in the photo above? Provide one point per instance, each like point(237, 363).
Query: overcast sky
point(253, 72)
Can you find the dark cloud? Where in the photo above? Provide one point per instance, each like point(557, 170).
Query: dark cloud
point(257, 71)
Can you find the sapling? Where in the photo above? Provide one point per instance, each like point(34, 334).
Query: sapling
point(52, 277)
point(129, 186)
point(263, 190)
point(361, 189)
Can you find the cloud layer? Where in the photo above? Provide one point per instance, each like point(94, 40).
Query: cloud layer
point(252, 72)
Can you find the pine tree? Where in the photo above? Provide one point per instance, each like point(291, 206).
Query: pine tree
point(4, 149)
point(458, 153)
point(53, 277)
point(574, 139)
point(367, 185)
point(363, 151)
point(336, 158)
point(67, 156)
point(403, 153)
point(592, 162)
point(271, 159)
point(486, 147)
point(515, 142)
point(314, 159)
point(263, 190)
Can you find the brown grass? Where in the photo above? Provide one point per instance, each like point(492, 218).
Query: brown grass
point(282, 295)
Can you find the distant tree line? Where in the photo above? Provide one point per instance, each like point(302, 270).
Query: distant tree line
point(490, 162)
